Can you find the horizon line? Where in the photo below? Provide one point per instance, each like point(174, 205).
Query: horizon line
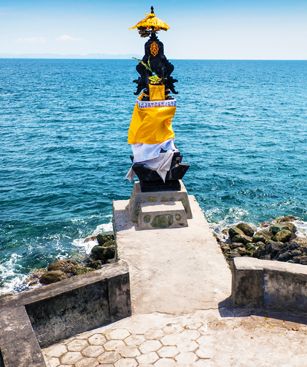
point(80, 57)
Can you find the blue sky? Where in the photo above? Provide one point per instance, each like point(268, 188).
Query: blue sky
point(216, 29)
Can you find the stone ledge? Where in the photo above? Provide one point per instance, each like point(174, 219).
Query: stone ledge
point(34, 295)
point(18, 344)
point(269, 284)
point(43, 316)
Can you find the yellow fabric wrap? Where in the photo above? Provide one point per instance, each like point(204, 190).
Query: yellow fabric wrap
point(151, 125)
point(156, 92)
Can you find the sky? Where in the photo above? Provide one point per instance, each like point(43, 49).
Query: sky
point(200, 29)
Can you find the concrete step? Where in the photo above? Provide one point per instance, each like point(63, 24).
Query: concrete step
point(170, 214)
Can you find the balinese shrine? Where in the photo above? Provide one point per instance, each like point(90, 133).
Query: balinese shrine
point(159, 198)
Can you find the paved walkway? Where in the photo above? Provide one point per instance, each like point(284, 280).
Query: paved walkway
point(201, 339)
point(175, 271)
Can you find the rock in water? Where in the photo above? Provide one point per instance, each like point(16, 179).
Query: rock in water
point(248, 229)
point(282, 236)
point(286, 218)
point(237, 235)
point(103, 238)
point(242, 238)
point(275, 228)
point(262, 236)
point(69, 267)
point(103, 253)
point(52, 277)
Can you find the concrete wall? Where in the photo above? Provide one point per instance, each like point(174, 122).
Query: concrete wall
point(269, 284)
point(43, 316)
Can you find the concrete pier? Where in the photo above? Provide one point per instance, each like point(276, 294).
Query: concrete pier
point(174, 270)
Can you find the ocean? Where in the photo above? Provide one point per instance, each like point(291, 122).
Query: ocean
point(241, 125)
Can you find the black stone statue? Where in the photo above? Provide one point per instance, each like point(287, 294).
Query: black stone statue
point(155, 62)
point(154, 57)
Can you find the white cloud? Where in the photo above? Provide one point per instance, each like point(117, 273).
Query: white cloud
point(32, 40)
point(68, 38)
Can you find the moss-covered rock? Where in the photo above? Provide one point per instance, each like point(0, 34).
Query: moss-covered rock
point(285, 218)
point(52, 276)
point(104, 238)
point(68, 266)
point(242, 238)
point(103, 253)
point(234, 231)
point(264, 235)
point(277, 227)
point(282, 236)
point(247, 229)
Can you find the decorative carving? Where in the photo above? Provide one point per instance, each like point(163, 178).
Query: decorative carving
point(154, 49)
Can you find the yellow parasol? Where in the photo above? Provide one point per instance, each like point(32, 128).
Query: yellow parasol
point(151, 23)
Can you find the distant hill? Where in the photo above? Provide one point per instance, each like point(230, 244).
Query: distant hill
point(74, 56)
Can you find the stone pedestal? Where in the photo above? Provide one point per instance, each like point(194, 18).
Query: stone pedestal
point(160, 209)
point(162, 215)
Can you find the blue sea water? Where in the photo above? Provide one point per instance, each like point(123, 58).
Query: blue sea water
point(63, 152)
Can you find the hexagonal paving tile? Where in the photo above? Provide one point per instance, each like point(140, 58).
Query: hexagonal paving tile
point(109, 357)
point(165, 362)
point(113, 345)
point(56, 350)
point(76, 345)
point(186, 357)
point(53, 362)
point(190, 334)
point(203, 329)
point(154, 334)
point(150, 346)
point(129, 351)
point(87, 362)
point(151, 357)
point(126, 362)
point(171, 339)
point(134, 340)
point(93, 351)
point(97, 339)
point(172, 328)
point(202, 341)
point(187, 346)
point(204, 353)
point(71, 357)
point(118, 334)
point(168, 352)
point(194, 325)
point(85, 335)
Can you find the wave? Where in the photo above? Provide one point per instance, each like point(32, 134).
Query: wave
point(10, 280)
point(88, 242)
point(12, 276)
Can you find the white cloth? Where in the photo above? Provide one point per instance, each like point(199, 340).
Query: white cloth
point(151, 156)
point(145, 152)
point(161, 165)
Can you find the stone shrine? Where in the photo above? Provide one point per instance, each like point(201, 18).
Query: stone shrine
point(159, 199)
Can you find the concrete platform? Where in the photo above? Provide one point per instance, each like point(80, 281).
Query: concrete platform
point(176, 270)
point(200, 339)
